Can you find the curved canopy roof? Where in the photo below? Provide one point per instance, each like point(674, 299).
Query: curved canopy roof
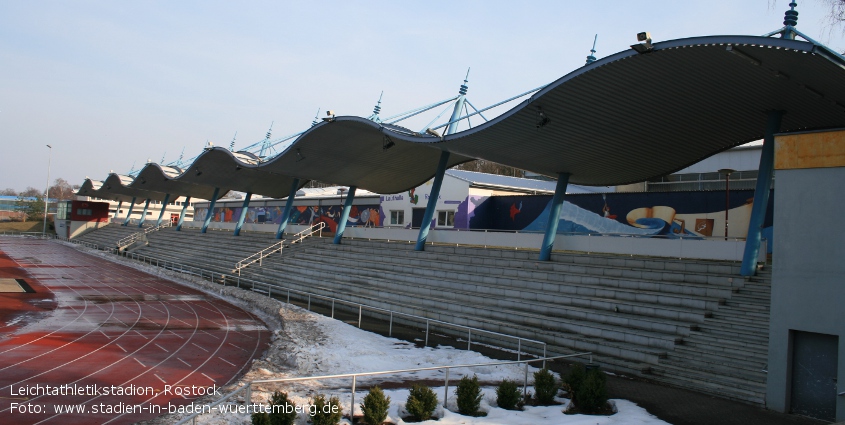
point(623, 119)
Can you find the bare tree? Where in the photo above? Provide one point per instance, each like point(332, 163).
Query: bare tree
point(61, 190)
point(30, 192)
point(8, 192)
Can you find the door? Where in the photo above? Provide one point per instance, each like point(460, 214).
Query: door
point(417, 217)
point(814, 371)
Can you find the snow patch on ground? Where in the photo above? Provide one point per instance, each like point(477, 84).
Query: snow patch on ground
point(308, 344)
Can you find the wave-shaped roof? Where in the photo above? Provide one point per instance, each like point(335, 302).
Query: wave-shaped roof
point(623, 119)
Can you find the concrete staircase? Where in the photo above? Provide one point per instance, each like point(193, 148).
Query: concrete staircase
point(691, 324)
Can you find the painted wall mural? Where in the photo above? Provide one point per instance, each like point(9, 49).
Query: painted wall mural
point(359, 215)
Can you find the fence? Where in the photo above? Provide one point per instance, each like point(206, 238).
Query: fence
point(354, 376)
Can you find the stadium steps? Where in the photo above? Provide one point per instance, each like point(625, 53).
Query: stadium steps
point(108, 235)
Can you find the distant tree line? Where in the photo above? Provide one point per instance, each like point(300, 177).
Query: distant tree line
point(33, 209)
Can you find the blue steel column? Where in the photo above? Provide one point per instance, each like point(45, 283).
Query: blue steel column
point(244, 208)
point(288, 206)
point(761, 195)
point(554, 217)
point(185, 204)
point(129, 214)
point(432, 201)
point(163, 207)
point(144, 214)
point(210, 212)
point(341, 225)
point(119, 204)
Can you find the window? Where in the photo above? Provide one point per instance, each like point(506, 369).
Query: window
point(83, 211)
point(446, 218)
point(397, 217)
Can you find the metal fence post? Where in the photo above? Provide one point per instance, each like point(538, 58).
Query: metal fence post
point(309, 302)
point(519, 349)
point(544, 355)
point(248, 396)
point(352, 404)
point(288, 295)
point(359, 316)
point(426, 332)
point(525, 383)
point(446, 391)
point(332, 308)
point(469, 339)
point(390, 330)
point(269, 291)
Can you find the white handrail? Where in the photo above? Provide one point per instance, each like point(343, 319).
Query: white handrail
point(135, 236)
point(299, 237)
point(315, 228)
point(260, 254)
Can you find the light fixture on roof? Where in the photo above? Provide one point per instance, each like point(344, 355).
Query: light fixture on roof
point(644, 45)
point(544, 120)
point(329, 116)
point(143, 180)
point(238, 168)
point(387, 143)
point(432, 132)
point(299, 156)
point(199, 172)
point(743, 55)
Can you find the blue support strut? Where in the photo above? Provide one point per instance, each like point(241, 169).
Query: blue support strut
point(129, 214)
point(347, 206)
point(210, 212)
point(185, 204)
point(288, 206)
point(432, 201)
point(761, 195)
point(244, 209)
point(554, 217)
point(119, 204)
point(144, 214)
point(163, 208)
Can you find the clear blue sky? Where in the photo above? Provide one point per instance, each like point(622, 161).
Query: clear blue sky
point(109, 83)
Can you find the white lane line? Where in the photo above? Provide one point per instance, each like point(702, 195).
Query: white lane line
point(142, 335)
point(239, 348)
point(176, 318)
point(104, 334)
point(212, 379)
point(118, 346)
point(199, 346)
point(139, 362)
point(159, 378)
point(221, 358)
point(179, 336)
point(162, 348)
point(210, 334)
point(186, 363)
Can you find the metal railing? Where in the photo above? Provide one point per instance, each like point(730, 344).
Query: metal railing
point(247, 388)
point(259, 256)
point(129, 240)
point(316, 228)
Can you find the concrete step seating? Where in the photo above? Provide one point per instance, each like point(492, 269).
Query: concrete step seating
point(108, 235)
point(693, 324)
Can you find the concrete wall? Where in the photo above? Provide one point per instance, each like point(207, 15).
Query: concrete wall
point(808, 274)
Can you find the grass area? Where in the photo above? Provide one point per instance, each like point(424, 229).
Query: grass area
point(28, 226)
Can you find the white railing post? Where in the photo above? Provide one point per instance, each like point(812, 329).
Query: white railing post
point(352, 403)
point(446, 390)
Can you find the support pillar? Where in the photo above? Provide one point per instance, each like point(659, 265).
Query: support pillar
point(244, 209)
point(344, 216)
point(761, 195)
point(163, 208)
point(210, 212)
point(432, 201)
point(554, 217)
point(117, 211)
point(129, 214)
point(288, 206)
point(185, 204)
point(144, 214)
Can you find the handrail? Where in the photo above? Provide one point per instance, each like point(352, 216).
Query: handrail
point(315, 228)
point(297, 238)
point(136, 236)
point(248, 386)
point(279, 246)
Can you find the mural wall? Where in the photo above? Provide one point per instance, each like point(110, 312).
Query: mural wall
point(360, 215)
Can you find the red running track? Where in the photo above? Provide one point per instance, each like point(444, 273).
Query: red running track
point(92, 322)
